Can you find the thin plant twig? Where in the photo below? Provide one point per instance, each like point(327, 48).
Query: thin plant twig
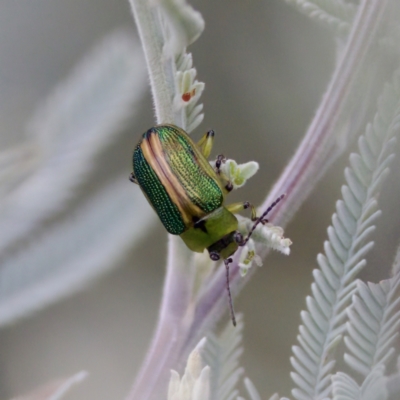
point(159, 67)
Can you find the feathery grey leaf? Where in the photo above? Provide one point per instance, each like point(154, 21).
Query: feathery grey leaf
point(336, 14)
point(374, 321)
point(222, 353)
point(349, 242)
point(252, 391)
point(373, 387)
point(71, 254)
point(76, 122)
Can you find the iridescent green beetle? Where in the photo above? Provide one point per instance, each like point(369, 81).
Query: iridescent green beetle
point(188, 194)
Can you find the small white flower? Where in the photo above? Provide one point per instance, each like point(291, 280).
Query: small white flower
point(248, 256)
point(195, 382)
point(268, 234)
point(273, 237)
point(238, 174)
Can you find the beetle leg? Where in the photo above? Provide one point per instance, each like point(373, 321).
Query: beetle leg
point(206, 143)
point(220, 159)
point(229, 187)
point(236, 207)
point(224, 180)
point(132, 178)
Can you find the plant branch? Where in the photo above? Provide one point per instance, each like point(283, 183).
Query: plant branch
point(170, 330)
point(297, 180)
point(179, 278)
point(159, 66)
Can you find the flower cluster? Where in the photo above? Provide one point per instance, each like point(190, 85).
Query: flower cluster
point(267, 234)
point(188, 93)
point(236, 173)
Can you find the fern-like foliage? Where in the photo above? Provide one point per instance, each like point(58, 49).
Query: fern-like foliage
point(67, 256)
point(349, 242)
point(373, 326)
point(254, 394)
point(81, 117)
point(195, 382)
point(222, 355)
point(335, 14)
point(374, 321)
point(78, 120)
point(373, 387)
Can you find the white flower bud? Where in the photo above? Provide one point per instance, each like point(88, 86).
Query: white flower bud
point(195, 382)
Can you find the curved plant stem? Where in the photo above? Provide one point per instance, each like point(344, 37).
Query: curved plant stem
point(297, 180)
point(179, 278)
point(179, 326)
point(171, 328)
point(159, 66)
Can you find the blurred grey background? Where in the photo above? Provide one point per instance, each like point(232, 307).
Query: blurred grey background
point(265, 67)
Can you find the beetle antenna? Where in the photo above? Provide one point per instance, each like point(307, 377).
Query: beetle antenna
point(261, 218)
point(227, 262)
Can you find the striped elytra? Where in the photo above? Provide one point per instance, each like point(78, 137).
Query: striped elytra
point(176, 178)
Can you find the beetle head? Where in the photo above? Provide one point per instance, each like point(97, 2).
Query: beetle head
point(226, 246)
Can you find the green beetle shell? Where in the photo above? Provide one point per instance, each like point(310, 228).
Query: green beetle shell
point(176, 178)
point(184, 190)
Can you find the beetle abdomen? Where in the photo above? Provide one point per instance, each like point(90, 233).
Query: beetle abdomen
point(176, 178)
